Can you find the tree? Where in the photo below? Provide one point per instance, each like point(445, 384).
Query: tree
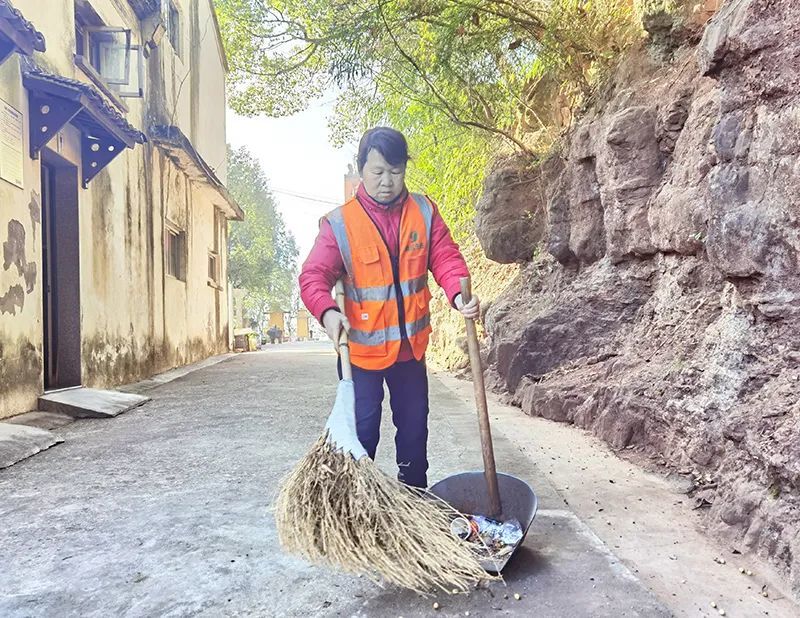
point(463, 79)
point(263, 253)
point(479, 63)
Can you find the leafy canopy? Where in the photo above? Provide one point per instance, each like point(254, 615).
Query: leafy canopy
point(479, 63)
point(463, 79)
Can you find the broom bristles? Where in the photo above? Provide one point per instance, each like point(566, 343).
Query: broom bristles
point(337, 511)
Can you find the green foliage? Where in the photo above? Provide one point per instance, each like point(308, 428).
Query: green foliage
point(263, 253)
point(480, 63)
point(463, 79)
point(645, 7)
point(450, 166)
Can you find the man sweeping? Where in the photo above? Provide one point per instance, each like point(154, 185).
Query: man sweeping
point(382, 243)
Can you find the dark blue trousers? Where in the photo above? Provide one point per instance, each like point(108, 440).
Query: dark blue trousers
point(408, 398)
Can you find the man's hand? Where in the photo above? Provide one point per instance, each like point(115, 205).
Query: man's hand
point(334, 322)
point(471, 310)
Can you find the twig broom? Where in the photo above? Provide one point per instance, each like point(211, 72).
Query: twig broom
point(337, 508)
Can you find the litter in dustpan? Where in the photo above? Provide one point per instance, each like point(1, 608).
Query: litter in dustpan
point(490, 538)
point(479, 492)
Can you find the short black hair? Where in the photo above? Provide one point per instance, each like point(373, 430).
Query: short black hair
point(389, 142)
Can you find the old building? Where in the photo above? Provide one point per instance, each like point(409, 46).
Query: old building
point(113, 208)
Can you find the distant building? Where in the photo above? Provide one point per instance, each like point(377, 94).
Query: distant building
point(113, 208)
point(303, 332)
point(277, 318)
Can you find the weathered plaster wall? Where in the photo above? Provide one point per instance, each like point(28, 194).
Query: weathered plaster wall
point(20, 271)
point(190, 317)
point(56, 21)
point(135, 320)
point(128, 330)
point(208, 133)
point(176, 100)
point(116, 275)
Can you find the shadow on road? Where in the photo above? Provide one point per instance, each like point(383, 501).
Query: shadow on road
point(525, 564)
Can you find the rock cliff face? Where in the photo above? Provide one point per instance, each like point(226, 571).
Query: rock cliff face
point(658, 304)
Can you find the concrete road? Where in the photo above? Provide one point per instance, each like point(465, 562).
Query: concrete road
point(164, 511)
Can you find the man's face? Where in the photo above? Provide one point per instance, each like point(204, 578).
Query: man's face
point(383, 182)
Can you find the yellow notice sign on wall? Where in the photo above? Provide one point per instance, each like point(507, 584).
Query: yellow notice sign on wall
point(11, 144)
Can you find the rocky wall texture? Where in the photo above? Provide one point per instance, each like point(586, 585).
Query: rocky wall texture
point(658, 303)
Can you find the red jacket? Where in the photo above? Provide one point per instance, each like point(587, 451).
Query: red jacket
point(324, 263)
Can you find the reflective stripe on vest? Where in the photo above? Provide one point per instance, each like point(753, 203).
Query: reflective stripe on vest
point(386, 292)
point(336, 219)
point(371, 292)
point(391, 333)
point(427, 211)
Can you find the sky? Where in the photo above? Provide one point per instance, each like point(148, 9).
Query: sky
point(298, 159)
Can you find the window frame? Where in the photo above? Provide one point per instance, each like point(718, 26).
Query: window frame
point(87, 22)
point(175, 247)
point(174, 34)
point(215, 252)
point(213, 280)
point(86, 52)
point(90, 72)
point(136, 93)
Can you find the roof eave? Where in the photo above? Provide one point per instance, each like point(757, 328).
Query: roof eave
point(64, 87)
point(144, 8)
point(183, 153)
point(19, 30)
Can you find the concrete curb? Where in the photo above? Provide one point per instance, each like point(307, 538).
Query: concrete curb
point(174, 374)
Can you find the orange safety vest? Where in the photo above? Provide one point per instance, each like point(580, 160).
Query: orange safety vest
point(386, 300)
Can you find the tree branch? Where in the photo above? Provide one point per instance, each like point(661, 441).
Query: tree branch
point(451, 112)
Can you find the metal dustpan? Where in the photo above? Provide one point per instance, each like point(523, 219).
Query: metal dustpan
point(468, 493)
point(498, 496)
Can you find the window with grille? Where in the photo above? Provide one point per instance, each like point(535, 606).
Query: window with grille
point(219, 230)
point(214, 253)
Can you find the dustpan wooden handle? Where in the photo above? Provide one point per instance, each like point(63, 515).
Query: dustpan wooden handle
point(489, 469)
point(343, 343)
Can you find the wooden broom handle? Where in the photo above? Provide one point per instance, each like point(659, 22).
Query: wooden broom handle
point(489, 469)
point(343, 343)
